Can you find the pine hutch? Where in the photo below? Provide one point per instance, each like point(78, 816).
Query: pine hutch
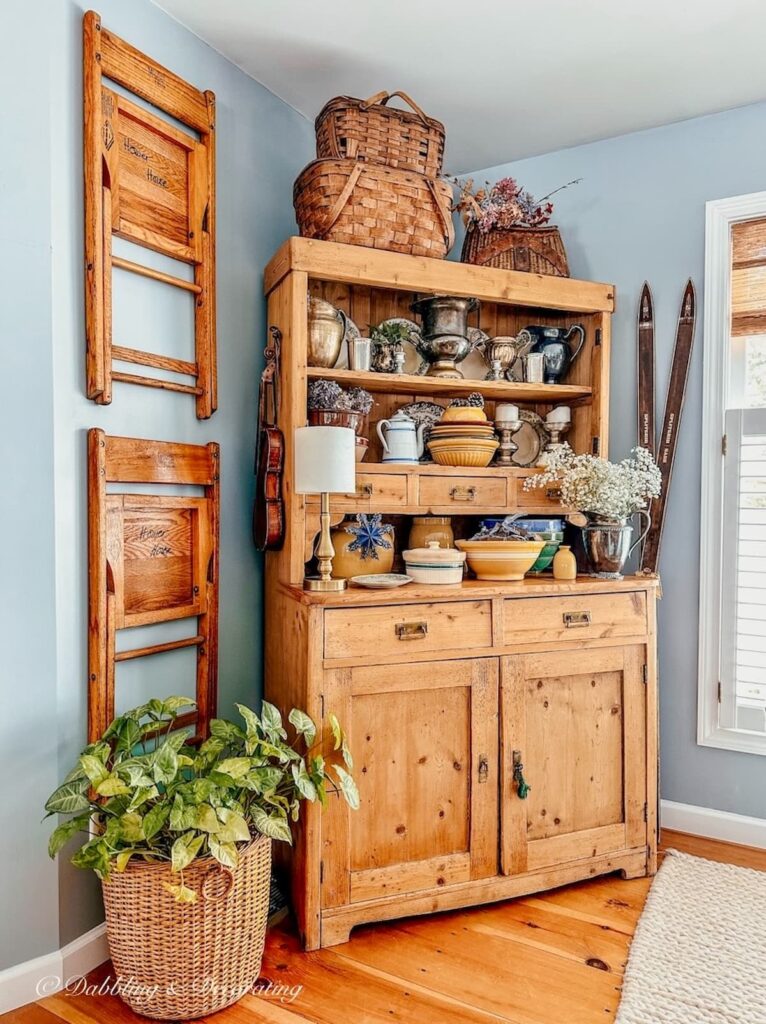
point(477, 677)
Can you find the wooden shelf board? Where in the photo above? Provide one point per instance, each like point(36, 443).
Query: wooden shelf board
point(433, 469)
point(356, 264)
point(447, 387)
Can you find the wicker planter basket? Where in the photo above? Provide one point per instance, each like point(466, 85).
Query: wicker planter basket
point(381, 207)
point(178, 961)
point(369, 130)
point(534, 250)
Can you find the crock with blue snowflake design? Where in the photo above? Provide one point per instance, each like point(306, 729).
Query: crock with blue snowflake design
point(363, 544)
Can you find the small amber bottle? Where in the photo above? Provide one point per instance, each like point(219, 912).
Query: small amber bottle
point(564, 564)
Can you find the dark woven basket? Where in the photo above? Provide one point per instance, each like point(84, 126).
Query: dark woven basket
point(532, 250)
point(382, 207)
point(348, 128)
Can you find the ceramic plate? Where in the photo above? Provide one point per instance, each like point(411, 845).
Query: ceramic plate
point(381, 581)
point(531, 439)
point(474, 366)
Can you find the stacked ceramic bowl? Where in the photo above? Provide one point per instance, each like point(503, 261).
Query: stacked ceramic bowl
point(463, 437)
point(549, 530)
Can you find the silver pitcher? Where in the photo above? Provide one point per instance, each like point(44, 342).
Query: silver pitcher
point(328, 327)
point(607, 544)
point(444, 338)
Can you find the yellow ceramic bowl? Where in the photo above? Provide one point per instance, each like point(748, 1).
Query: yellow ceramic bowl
point(463, 442)
point(463, 413)
point(501, 560)
point(477, 458)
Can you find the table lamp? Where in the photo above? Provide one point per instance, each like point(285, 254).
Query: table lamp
point(325, 464)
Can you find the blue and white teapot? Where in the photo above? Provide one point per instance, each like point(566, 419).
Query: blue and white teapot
point(402, 441)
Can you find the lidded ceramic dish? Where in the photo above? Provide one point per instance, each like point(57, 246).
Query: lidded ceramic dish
point(434, 564)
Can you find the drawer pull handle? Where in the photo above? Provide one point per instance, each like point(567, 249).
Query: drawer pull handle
point(463, 494)
point(483, 768)
point(553, 494)
point(572, 620)
point(362, 491)
point(411, 630)
point(522, 787)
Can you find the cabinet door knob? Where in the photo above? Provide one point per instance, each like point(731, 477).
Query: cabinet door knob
point(522, 787)
point(411, 630)
point(573, 620)
point(463, 494)
point(362, 491)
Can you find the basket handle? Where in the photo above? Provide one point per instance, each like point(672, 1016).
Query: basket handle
point(214, 873)
point(342, 199)
point(383, 98)
point(448, 228)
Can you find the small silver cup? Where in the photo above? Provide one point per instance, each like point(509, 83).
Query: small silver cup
point(359, 353)
point(534, 367)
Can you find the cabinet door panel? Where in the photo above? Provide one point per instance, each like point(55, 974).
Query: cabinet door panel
point(424, 741)
point(577, 722)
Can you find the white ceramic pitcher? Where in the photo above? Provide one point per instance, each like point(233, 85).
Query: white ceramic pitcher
point(402, 441)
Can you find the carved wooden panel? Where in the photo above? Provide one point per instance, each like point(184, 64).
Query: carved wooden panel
point(152, 558)
point(152, 183)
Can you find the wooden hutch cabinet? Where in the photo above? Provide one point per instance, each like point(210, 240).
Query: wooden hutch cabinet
point(559, 676)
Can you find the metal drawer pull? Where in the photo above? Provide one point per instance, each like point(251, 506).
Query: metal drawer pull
point(553, 494)
point(463, 494)
point(522, 787)
point(483, 767)
point(411, 630)
point(575, 619)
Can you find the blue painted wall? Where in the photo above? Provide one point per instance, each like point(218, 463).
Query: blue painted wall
point(261, 146)
point(639, 214)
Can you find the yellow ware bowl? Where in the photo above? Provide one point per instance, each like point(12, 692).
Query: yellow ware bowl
point(500, 560)
point(442, 443)
point(477, 458)
point(463, 412)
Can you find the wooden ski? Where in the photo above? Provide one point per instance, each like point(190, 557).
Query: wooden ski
point(666, 449)
point(646, 370)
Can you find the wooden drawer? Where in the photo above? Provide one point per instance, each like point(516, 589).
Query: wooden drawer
point(540, 498)
point(373, 491)
point(592, 616)
point(463, 492)
point(408, 630)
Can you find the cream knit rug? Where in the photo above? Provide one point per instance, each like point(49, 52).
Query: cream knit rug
point(699, 952)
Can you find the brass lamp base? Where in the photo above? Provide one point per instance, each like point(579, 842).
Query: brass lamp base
point(323, 586)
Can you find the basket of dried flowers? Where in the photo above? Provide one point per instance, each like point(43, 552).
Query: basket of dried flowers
point(507, 228)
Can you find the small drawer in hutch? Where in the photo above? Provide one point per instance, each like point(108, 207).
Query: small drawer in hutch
point(548, 498)
point(406, 630)
point(382, 491)
point(590, 617)
point(463, 491)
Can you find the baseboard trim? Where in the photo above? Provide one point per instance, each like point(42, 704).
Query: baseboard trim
point(712, 824)
point(47, 974)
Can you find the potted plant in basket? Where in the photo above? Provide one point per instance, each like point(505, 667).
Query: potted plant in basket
point(507, 227)
point(329, 405)
point(181, 840)
point(608, 494)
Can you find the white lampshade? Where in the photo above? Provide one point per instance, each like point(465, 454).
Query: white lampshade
point(325, 460)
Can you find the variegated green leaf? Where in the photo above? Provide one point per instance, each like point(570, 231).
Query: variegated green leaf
point(303, 782)
point(61, 835)
point(347, 787)
point(273, 825)
point(180, 893)
point(154, 819)
point(131, 827)
point(224, 853)
point(69, 798)
point(184, 850)
point(233, 828)
point(112, 785)
point(303, 725)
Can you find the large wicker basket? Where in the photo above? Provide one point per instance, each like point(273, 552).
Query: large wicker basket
point(178, 961)
point(369, 130)
point(381, 207)
point(534, 250)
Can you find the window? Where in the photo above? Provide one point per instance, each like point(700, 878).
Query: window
point(732, 697)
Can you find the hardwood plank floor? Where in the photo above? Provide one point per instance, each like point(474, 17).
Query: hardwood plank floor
point(542, 959)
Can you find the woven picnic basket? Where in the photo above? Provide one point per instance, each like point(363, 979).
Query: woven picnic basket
point(348, 128)
point(533, 250)
point(178, 961)
point(381, 207)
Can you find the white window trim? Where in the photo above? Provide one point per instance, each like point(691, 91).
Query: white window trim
point(720, 214)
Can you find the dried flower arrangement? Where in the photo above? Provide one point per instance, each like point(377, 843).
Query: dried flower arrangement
point(473, 401)
point(597, 487)
point(326, 394)
point(506, 204)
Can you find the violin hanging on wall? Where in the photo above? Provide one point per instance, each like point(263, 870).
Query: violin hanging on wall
point(269, 510)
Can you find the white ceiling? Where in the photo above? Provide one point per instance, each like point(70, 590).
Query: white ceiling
point(508, 79)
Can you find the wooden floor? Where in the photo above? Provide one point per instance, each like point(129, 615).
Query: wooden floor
point(547, 959)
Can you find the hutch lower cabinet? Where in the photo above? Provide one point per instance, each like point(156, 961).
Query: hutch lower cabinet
point(450, 703)
point(456, 699)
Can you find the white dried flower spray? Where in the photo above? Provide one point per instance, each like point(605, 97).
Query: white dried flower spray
point(589, 484)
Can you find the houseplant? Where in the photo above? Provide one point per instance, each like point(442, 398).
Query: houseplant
point(181, 840)
point(330, 405)
point(507, 227)
point(608, 494)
